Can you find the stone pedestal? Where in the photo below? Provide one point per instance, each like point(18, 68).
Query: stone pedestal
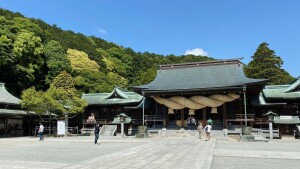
point(142, 132)
point(247, 138)
point(246, 134)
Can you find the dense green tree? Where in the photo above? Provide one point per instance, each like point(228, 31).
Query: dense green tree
point(28, 50)
point(53, 101)
point(56, 60)
point(118, 80)
point(266, 65)
point(97, 65)
point(88, 81)
point(65, 81)
point(80, 60)
point(21, 24)
point(115, 65)
point(145, 77)
point(7, 56)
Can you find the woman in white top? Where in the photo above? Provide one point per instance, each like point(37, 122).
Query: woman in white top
point(207, 129)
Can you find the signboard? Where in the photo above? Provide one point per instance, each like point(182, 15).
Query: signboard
point(61, 127)
point(286, 117)
point(286, 120)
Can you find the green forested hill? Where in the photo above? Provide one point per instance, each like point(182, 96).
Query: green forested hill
point(33, 53)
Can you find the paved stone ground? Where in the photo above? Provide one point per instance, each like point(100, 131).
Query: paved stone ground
point(176, 152)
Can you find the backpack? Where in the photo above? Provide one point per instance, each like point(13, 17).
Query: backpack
point(206, 128)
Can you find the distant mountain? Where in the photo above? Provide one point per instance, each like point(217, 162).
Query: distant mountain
point(33, 53)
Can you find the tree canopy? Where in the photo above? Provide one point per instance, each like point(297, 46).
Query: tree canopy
point(33, 53)
point(267, 65)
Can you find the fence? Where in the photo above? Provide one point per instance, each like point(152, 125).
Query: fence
point(53, 130)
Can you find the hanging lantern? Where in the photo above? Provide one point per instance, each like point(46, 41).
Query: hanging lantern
point(191, 112)
point(170, 111)
point(214, 110)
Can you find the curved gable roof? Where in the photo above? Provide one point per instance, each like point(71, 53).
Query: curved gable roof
point(282, 92)
point(6, 97)
point(116, 97)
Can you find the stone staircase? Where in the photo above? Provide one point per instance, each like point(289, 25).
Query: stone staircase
point(177, 133)
point(108, 130)
point(172, 125)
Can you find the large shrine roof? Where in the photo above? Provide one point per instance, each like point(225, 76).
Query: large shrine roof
point(199, 76)
point(6, 97)
point(116, 97)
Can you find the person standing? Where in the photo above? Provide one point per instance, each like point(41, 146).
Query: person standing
point(193, 123)
point(200, 129)
point(188, 121)
point(97, 130)
point(207, 129)
point(41, 132)
point(210, 121)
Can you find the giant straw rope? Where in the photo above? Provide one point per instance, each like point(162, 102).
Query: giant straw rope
point(195, 102)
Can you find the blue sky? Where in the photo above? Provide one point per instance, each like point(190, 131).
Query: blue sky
point(222, 29)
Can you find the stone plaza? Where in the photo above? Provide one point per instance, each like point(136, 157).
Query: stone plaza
point(180, 151)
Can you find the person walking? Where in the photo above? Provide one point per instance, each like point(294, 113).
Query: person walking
point(97, 130)
point(207, 129)
point(41, 132)
point(200, 129)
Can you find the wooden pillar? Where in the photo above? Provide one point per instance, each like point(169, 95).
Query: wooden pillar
point(241, 110)
point(225, 125)
point(182, 118)
point(204, 116)
point(165, 116)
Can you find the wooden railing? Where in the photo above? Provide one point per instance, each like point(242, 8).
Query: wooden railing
point(240, 117)
point(153, 118)
point(261, 120)
point(100, 121)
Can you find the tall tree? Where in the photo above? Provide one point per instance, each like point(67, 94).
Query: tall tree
point(266, 65)
point(56, 60)
point(28, 50)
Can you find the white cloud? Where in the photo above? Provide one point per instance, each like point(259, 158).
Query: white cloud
point(196, 52)
point(102, 31)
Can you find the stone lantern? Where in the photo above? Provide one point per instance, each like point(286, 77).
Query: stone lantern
point(271, 115)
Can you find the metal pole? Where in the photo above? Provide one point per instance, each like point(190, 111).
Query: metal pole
point(244, 90)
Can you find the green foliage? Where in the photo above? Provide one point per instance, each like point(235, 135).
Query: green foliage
point(266, 65)
point(115, 65)
point(34, 53)
point(56, 60)
point(6, 55)
point(80, 60)
point(28, 50)
point(89, 81)
point(65, 81)
point(53, 101)
point(145, 77)
point(118, 80)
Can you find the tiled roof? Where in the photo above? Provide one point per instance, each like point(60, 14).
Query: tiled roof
point(15, 112)
point(6, 97)
point(282, 92)
point(116, 97)
point(199, 76)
